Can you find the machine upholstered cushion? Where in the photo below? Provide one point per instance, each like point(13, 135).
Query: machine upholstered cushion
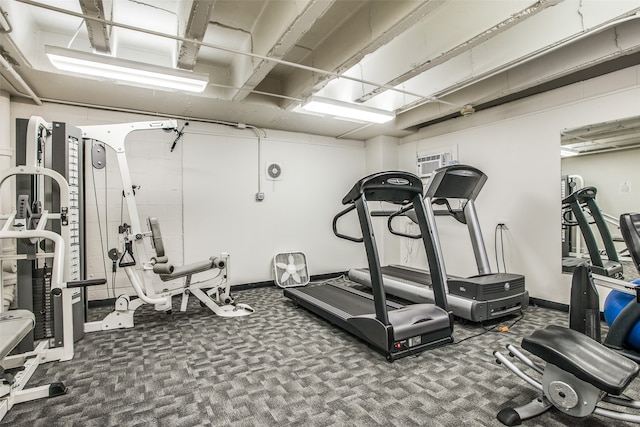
point(583, 357)
point(184, 270)
point(14, 326)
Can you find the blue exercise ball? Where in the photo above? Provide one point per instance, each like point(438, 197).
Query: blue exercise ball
point(613, 305)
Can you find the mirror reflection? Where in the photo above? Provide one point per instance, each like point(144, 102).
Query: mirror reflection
point(599, 167)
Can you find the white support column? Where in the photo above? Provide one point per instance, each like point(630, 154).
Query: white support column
point(6, 202)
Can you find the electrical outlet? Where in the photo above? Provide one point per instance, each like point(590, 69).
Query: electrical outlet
point(502, 223)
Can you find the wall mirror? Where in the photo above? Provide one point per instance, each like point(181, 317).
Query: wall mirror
point(600, 166)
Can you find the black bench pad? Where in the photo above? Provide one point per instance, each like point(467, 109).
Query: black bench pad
point(583, 357)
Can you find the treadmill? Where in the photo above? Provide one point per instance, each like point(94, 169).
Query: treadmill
point(477, 298)
point(576, 203)
point(392, 329)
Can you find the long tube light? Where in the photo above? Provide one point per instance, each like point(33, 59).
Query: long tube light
point(567, 152)
point(333, 107)
point(125, 71)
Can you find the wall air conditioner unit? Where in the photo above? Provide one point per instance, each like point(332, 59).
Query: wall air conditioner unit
point(428, 163)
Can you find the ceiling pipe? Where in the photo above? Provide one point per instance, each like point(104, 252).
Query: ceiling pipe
point(226, 49)
point(524, 60)
point(5, 28)
point(427, 99)
point(5, 25)
point(24, 87)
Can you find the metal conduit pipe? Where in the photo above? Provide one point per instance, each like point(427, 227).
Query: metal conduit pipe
point(426, 99)
point(24, 87)
point(226, 49)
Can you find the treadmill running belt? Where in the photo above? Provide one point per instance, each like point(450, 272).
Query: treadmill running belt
point(420, 277)
point(346, 301)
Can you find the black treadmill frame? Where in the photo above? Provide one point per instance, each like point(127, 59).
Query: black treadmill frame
point(398, 187)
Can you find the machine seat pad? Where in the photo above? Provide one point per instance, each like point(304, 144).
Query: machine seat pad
point(185, 270)
point(14, 326)
point(583, 357)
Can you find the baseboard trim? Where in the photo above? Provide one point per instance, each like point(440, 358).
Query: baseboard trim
point(555, 306)
point(549, 304)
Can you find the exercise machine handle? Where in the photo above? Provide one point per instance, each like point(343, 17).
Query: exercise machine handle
point(79, 284)
point(84, 283)
point(399, 233)
point(335, 226)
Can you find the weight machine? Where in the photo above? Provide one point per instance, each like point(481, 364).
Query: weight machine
point(218, 298)
point(47, 227)
point(29, 227)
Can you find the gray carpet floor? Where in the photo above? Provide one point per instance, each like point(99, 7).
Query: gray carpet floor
point(282, 366)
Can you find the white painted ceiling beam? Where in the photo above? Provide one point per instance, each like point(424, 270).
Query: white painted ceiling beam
point(552, 26)
point(98, 31)
point(422, 47)
point(366, 29)
point(279, 28)
point(623, 39)
point(195, 28)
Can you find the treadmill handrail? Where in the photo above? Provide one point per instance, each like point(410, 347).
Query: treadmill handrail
point(583, 200)
point(335, 226)
point(396, 214)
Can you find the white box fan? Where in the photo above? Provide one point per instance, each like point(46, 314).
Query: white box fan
point(290, 269)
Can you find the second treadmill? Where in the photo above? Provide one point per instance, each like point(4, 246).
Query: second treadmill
point(477, 298)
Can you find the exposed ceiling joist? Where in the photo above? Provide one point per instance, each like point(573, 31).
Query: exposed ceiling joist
point(98, 31)
point(281, 29)
point(475, 33)
point(422, 60)
point(367, 27)
point(195, 29)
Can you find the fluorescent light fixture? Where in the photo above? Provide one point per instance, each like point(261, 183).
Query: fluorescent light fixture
point(125, 71)
point(566, 152)
point(333, 107)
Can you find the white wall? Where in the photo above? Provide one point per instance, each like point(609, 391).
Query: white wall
point(203, 194)
point(382, 155)
point(517, 146)
point(221, 213)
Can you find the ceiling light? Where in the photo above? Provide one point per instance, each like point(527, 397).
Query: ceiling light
point(566, 152)
point(333, 107)
point(125, 71)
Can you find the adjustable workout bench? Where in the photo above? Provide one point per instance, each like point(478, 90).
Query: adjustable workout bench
point(579, 373)
point(15, 371)
point(222, 303)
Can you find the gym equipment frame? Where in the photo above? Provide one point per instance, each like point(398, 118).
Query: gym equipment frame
point(579, 373)
point(577, 203)
point(481, 297)
point(391, 329)
point(16, 370)
point(222, 303)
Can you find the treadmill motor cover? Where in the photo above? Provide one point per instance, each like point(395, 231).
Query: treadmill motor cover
point(487, 287)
